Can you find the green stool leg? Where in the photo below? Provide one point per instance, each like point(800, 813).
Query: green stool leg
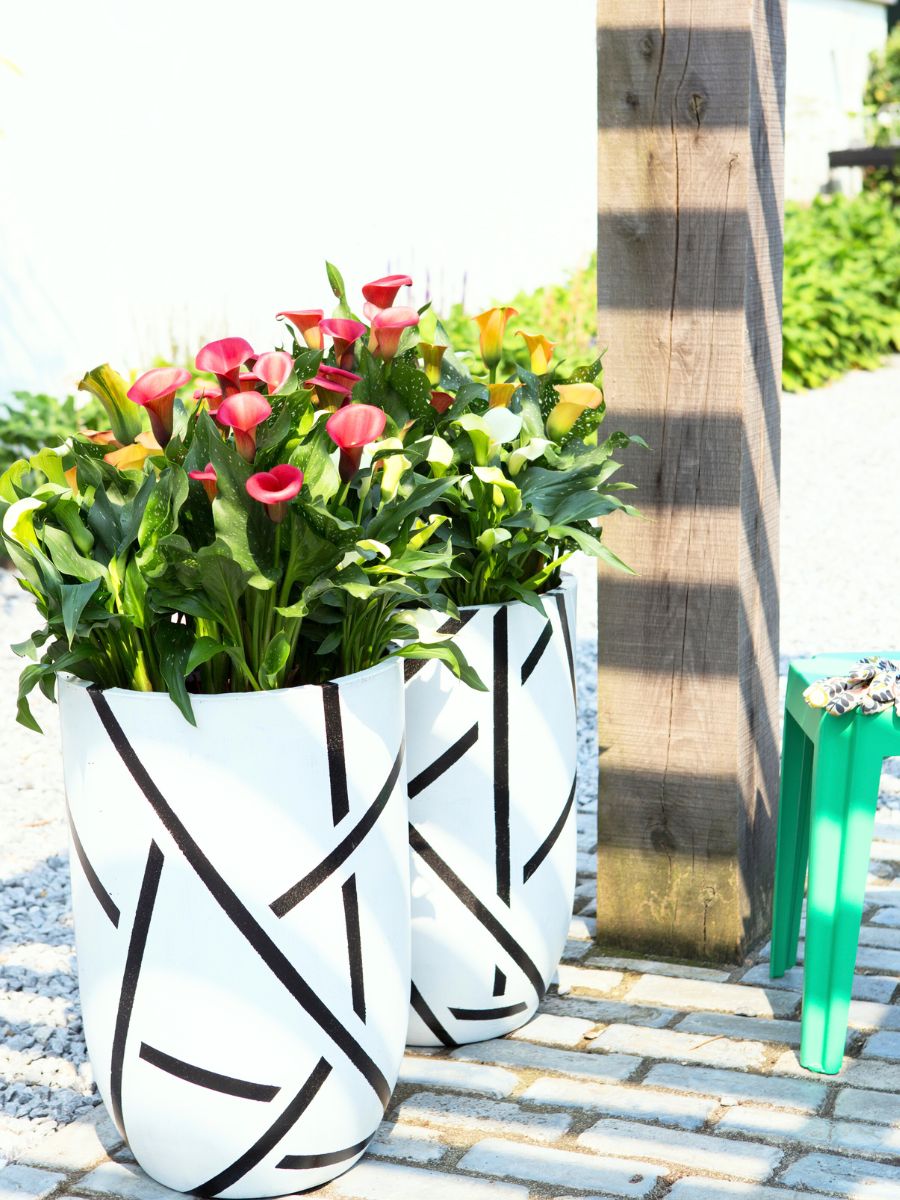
point(845, 795)
point(792, 853)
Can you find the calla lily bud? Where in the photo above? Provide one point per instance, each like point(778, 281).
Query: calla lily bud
point(275, 488)
point(273, 369)
point(208, 478)
point(306, 322)
point(351, 428)
point(344, 333)
point(388, 326)
point(574, 399)
point(224, 359)
point(492, 326)
point(432, 356)
point(539, 349)
point(501, 394)
point(155, 391)
point(243, 411)
point(381, 293)
point(333, 386)
point(441, 401)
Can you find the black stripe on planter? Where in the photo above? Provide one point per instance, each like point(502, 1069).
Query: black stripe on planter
point(549, 841)
point(277, 962)
point(536, 652)
point(334, 741)
point(488, 1014)
point(417, 1000)
point(499, 982)
point(105, 900)
point(273, 1135)
point(443, 762)
point(303, 1162)
point(136, 945)
point(207, 1079)
point(342, 851)
point(354, 946)
point(501, 751)
point(454, 625)
point(567, 637)
point(483, 914)
point(412, 666)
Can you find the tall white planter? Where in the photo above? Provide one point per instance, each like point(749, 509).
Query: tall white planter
point(492, 821)
point(241, 896)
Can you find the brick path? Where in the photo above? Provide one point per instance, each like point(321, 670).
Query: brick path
point(637, 1079)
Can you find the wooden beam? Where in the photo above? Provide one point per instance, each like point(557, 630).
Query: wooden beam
point(690, 206)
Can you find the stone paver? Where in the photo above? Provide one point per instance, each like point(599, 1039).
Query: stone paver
point(561, 1167)
point(852, 1136)
point(734, 1087)
point(740, 1160)
point(615, 1067)
point(684, 1047)
point(847, 1177)
point(438, 1072)
point(687, 1112)
point(482, 1116)
point(386, 1181)
point(721, 997)
point(18, 1182)
point(863, 1106)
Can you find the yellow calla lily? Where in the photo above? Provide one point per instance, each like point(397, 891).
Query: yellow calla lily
point(539, 348)
point(501, 394)
point(492, 326)
point(431, 356)
point(129, 458)
point(574, 399)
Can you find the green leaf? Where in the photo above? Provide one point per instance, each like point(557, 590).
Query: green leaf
point(173, 643)
point(449, 654)
point(75, 597)
point(66, 557)
point(274, 661)
point(336, 281)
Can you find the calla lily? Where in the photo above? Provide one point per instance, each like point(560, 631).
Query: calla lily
point(381, 293)
point(432, 356)
point(72, 480)
point(441, 401)
point(208, 478)
point(224, 359)
point(100, 437)
point(388, 326)
point(130, 458)
point(574, 399)
point(539, 349)
point(243, 411)
point(273, 368)
point(249, 381)
point(333, 385)
point(501, 394)
point(351, 428)
point(492, 326)
point(275, 488)
point(306, 322)
point(209, 392)
point(109, 388)
point(155, 391)
point(344, 332)
point(18, 522)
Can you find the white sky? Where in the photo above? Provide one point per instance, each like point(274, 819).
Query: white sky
point(181, 169)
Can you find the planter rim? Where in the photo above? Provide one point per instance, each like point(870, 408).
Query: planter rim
point(567, 582)
point(206, 699)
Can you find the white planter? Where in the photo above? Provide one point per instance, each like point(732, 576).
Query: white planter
point(492, 821)
point(241, 897)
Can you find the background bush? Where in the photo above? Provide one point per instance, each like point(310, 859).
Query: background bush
point(28, 422)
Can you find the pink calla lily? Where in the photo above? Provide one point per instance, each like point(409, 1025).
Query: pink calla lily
point(273, 368)
point(243, 411)
point(388, 326)
point(351, 428)
point(381, 293)
point(441, 401)
point(275, 488)
point(306, 322)
point(208, 478)
point(224, 359)
point(344, 333)
point(249, 381)
point(155, 391)
point(331, 382)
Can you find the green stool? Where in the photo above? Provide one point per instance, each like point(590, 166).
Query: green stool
point(830, 773)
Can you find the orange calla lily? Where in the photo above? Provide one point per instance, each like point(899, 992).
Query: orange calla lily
point(492, 325)
point(100, 437)
point(72, 479)
point(501, 394)
point(539, 348)
point(129, 458)
point(574, 399)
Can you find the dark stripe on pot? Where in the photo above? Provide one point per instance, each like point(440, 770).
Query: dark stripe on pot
point(567, 637)
point(498, 932)
point(443, 762)
point(207, 1079)
point(136, 946)
point(501, 751)
point(105, 900)
point(454, 624)
point(354, 946)
point(272, 1136)
point(550, 840)
point(537, 650)
point(499, 982)
point(412, 666)
point(342, 851)
point(334, 742)
point(417, 1000)
point(304, 1162)
point(488, 1014)
point(274, 958)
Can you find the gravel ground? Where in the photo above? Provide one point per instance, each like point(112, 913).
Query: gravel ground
point(840, 583)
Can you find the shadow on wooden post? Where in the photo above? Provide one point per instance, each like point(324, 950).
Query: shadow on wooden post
point(691, 132)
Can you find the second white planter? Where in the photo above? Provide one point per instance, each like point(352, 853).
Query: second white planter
point(492, 821)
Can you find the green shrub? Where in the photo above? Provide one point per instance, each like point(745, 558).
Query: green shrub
point(882, 95)
point(29, 421)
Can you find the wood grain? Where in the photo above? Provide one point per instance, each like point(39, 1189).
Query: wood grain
point(690, 141)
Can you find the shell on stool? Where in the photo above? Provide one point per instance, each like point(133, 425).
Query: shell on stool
point(871, 685)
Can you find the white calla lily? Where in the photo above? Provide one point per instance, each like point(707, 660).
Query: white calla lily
point(18, 522)
point(504, 426)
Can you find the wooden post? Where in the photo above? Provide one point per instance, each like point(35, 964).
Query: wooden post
point(691, 128)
